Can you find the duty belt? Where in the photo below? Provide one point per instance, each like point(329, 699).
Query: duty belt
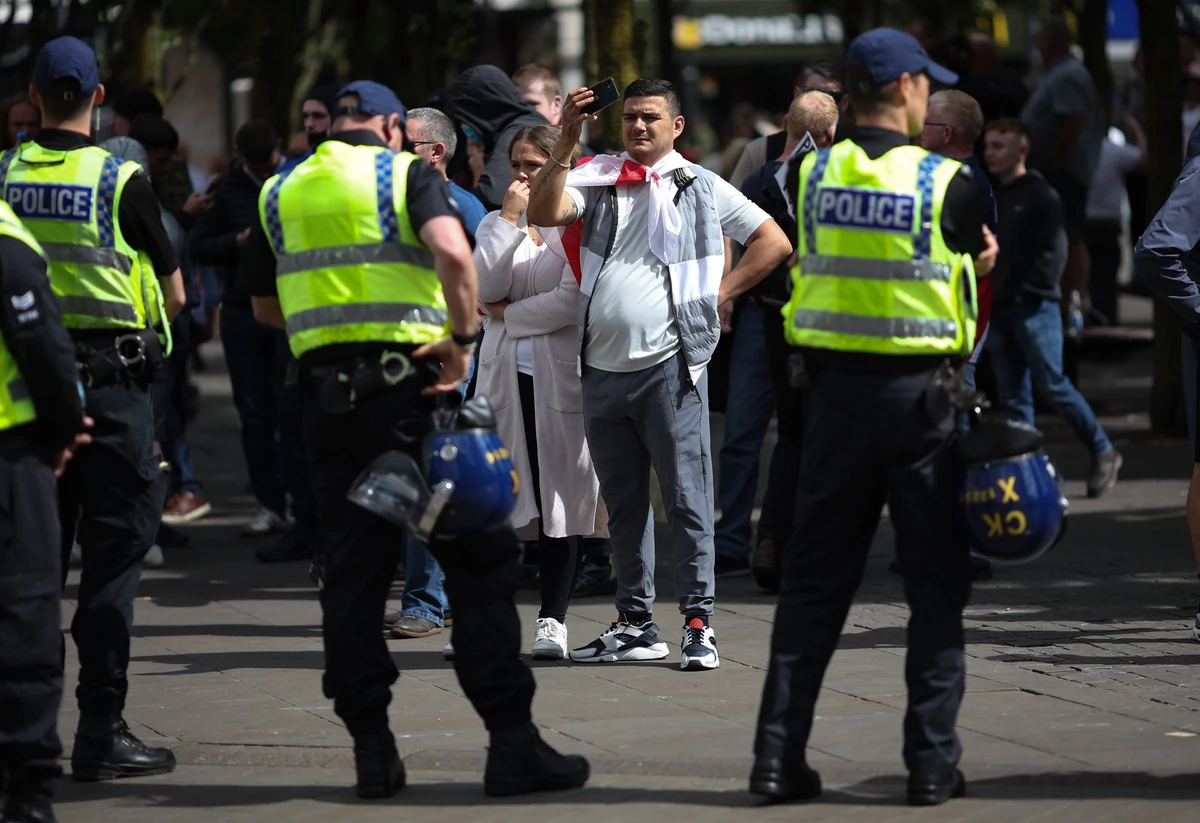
point(341, 387)
point(136, 356)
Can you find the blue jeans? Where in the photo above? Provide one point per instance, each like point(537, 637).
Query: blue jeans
point(173, 435)
point(1026, 341)
point(424, 581)
point(256, 356)
point(747, 415)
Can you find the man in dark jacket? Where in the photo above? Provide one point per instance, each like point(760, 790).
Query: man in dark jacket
point(489, 107)
point(1026, 335)
point(1167, 261)
point(255, 354)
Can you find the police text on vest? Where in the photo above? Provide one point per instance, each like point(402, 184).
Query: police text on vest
point(50, 201)
point(865, 209)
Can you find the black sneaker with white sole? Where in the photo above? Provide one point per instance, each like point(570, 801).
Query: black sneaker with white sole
point(699, 646)
point(623, 641)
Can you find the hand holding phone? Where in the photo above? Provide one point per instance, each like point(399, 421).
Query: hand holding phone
point(583, 104)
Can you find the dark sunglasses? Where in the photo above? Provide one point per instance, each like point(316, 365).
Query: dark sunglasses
point(836, 95)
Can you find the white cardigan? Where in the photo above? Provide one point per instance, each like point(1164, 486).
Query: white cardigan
point(543, 307)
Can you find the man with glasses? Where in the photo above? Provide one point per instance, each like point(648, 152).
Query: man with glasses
point(820, 76)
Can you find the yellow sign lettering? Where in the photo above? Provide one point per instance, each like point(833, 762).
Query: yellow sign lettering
point(1008, 487)
point(995, 525)
point(1015, 522)
point(516, 481)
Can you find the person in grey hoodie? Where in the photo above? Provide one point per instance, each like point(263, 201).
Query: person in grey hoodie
point(1166, 259)
point(490, 109)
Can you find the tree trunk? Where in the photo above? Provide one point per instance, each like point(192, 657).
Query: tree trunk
point(612, 23)
point(1164, 103)
point(1093, 37)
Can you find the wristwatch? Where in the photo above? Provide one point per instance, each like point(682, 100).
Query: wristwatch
point(467, 341)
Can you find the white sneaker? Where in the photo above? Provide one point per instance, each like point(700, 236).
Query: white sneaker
point(550, 640)
point(699, 646)
point(264, 522)
point(154, 558)
point(448, 651)
point(76, 560)
point(623, 641)
point(1196, 626)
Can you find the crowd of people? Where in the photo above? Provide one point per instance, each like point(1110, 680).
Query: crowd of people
point(605, 284)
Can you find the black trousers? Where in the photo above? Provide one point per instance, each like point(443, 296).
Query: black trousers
point(296, 476)
point(869, 439)
point(361, 553)
point(779, 499)
point(31, 644)
point(113, 491)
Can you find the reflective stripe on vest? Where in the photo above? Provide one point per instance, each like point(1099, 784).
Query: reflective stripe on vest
point(350, 268)
point(356, 313)
point(337, 256)
point(88, 256)
point(861, 267)
point(874, 274)
point(16, 405)
point(69, 201)
point(884, 327)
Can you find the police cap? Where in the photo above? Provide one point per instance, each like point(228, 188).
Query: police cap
point(888, 53)
point(66, 58)
point(374, 99)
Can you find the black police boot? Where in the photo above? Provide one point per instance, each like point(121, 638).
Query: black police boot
point(29, 808)
point(520, 762)
point(378, 766)
point(106, 749)
point(935, 787)
point(780, 780)
point(295, 544)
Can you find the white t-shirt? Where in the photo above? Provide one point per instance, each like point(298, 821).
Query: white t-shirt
point(525, 356)
point(631, 323)
point(1107, 200)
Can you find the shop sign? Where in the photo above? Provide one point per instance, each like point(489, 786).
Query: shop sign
point(716, 30)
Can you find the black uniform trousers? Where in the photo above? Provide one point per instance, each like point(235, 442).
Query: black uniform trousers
point(361, 554)
point(779, 499)
point(31, 644)
point(113, 491)
point(869, 440)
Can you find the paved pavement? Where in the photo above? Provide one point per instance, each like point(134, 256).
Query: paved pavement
point(1083, 701)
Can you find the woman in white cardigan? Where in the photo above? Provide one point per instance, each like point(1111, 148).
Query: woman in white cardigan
point(527, 371)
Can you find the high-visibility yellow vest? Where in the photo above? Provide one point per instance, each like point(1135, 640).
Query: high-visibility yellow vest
point(16, 406)
point(350, 268)
point(69, 201)
point(874, 273)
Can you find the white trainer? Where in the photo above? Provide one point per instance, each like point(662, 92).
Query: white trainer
point(264, 522)
point(448, 651)
point(623, 642)
point(550, 640)
point(699, 646)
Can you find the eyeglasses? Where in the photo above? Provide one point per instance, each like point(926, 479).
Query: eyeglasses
point(836, 95)
point(425, 142)
point(945, 125)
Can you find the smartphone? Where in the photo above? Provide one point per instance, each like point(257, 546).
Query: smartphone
point(605, 95)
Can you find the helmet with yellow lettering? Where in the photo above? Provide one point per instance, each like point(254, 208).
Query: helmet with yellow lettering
point(1012, 507)
point(467, 485)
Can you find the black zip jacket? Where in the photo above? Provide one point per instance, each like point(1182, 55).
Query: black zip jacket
point(484, 98)
point(1033, 241)
point(214, 240)
point(31, 325)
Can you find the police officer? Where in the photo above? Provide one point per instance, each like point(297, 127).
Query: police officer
point(883, 297)
point(109, 261)
point(41, 422)
point(365, 263)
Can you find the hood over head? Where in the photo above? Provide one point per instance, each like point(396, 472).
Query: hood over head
point(484, 98)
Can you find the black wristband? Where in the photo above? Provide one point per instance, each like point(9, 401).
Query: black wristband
point(463, 339)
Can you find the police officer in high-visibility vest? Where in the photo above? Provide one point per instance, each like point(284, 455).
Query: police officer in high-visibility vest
point(110, 261)
point(883, 305)
point(41, 422)
point(362, 257)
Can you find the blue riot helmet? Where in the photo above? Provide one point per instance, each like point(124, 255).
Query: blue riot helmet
point(1011, 504)
point(467, 484)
